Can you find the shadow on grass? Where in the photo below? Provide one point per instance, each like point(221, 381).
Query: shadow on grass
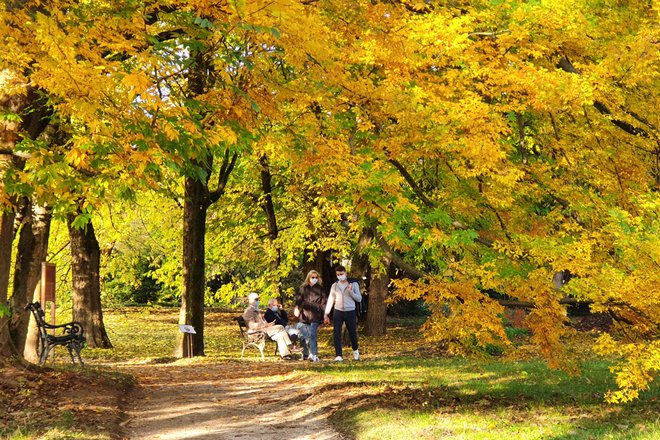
point(515, 393)
point(507, 379)
point(588, 421)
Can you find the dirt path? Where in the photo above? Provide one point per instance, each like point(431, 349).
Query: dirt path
point(224, 401)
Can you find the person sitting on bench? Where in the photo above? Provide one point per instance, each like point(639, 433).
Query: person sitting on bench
point(297, 332)
point(256, 322)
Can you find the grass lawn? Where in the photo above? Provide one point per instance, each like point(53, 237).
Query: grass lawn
point(456, 398)
point(399, 390)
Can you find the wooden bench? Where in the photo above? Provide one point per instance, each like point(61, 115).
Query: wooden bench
point(256, 339)
point(71, 335)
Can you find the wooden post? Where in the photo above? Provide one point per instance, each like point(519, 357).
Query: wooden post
point(188, 332)
point(48, 276)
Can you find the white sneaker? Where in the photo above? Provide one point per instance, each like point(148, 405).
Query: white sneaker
point(316, 359)
point(339, 359)
point(356, 355)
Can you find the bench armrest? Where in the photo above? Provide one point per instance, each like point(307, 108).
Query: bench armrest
point(70, 328)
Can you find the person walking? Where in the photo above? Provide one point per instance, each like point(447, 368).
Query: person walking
point(343, 297)
point(309, 307)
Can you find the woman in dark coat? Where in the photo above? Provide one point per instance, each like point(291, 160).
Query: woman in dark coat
point(310, 306)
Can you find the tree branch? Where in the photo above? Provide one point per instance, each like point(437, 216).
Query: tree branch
point(565, 65)
point(428, 202)
point(530, 305)
point(411, 270)
point(489, 34)
point(267, 204)
point(409, 179)
point(223, 175)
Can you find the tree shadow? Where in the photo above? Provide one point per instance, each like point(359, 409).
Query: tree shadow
point(495, 393)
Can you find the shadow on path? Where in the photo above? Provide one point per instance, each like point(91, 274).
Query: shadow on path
point(224, 401)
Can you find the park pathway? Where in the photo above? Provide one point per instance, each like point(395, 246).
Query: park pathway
point(238, 400)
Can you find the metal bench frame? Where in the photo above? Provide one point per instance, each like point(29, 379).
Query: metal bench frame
point(72, 335)
point(256, 339)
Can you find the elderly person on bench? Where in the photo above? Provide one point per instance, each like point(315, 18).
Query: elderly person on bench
point(256, 322)
point(297, 332)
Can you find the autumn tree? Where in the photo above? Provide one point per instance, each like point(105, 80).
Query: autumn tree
point(486, 149)
point(57, 67)
point(508, 164)
point(477, 147)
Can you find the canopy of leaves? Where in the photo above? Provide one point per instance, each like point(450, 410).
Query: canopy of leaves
point(485, 144)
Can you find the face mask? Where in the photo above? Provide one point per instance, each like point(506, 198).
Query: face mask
point(256, 304)
point(342, 277)
point(274, 308)
point(313, 281)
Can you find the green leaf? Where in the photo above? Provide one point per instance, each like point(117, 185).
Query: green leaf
point(199, 174)
point(203, 22)
point(81, 220)
point(238, 6)
point(8, 116)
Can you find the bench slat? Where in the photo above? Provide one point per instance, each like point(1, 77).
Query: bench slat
point(256, 339)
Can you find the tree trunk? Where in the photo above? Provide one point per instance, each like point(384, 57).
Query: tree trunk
point(33, 122)
point(85, 264)
point(376, 324)
point(24, 254)
point(192, 297)
point(6, 240)
point(6, 236)
point(31, 252)
point(35, 116)
point(360, 267)
point(269, 209)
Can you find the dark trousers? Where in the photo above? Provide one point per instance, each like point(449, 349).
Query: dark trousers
point(349, 318)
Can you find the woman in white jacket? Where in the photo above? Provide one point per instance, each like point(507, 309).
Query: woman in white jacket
point(343, 296)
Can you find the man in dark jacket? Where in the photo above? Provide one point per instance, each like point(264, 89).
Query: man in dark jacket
point(278, 315)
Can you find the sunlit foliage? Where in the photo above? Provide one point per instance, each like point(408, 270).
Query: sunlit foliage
point(487, 145)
